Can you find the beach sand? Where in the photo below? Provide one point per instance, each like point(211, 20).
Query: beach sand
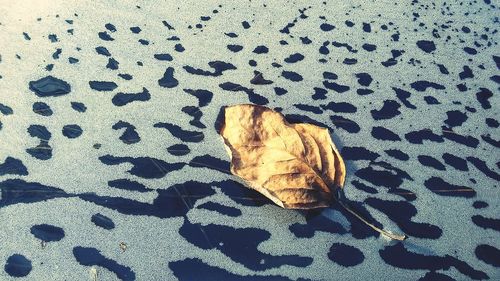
point(383, 87)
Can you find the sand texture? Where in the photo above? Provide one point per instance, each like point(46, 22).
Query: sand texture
point(111, 166)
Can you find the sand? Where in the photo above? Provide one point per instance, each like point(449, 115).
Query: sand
point(152, 242)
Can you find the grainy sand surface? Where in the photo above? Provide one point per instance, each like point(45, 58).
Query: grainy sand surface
point(408, 89)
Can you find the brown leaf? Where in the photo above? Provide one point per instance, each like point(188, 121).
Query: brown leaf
point(297, 166)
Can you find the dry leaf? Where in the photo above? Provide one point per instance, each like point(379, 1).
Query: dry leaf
point(297, 166)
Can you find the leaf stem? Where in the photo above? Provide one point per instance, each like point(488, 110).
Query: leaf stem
point(381, 231)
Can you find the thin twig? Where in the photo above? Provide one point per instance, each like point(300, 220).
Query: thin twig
point(381, 231)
